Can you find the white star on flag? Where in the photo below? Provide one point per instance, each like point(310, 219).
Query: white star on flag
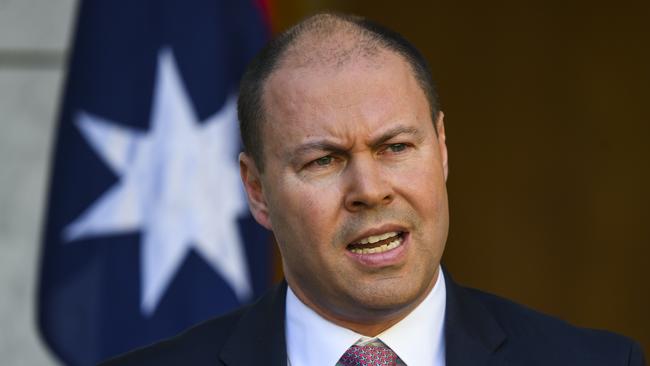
point(178, 184)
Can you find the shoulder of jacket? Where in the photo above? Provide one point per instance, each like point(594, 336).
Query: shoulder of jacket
point(534, 335)
point(198, 344)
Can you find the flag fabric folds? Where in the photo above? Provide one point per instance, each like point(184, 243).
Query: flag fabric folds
point(147, 229)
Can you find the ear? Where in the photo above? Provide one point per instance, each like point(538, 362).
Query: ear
point(442, 144)
point(250, 176)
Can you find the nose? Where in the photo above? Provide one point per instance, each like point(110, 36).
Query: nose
point(368, 186)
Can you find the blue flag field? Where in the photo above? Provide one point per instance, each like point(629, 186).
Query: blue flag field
point(147, 229)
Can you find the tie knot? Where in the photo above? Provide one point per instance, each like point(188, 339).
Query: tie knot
point(372, 354)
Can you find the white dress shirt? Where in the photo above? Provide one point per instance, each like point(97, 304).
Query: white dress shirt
point(417, 339)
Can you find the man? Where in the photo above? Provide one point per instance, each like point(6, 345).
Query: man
point(345, 161)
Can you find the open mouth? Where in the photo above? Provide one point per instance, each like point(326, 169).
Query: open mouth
point(377, 243)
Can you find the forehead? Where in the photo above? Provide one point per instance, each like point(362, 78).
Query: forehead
point(325, 98)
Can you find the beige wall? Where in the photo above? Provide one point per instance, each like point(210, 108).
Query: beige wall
point(549, 142)
point(33, 41)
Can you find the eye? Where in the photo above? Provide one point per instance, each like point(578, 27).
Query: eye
point(323, 164)
point(323, 161)
point(397, 147)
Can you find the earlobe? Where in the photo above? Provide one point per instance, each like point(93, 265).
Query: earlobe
point(442, 142)
point(250, 177)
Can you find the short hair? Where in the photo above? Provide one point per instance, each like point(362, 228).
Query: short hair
point(250, 106)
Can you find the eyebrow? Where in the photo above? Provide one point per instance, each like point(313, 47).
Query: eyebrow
point(315, 146)
point(396, 131)
point(324, 145)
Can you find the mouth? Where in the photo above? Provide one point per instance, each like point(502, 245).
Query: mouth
point(377, 244)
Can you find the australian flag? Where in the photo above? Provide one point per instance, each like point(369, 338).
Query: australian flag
point(147, 229)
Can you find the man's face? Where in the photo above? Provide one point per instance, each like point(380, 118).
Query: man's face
point(351, 156)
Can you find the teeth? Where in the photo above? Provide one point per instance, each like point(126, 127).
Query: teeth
point(376, 238)
point(380, 249)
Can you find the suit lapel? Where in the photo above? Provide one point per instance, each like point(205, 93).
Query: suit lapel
point(258, 338)
point(472, 335)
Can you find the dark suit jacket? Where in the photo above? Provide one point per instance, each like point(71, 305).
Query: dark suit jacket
point(480, 329)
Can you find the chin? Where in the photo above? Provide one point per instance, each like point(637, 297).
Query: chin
point(390, 297)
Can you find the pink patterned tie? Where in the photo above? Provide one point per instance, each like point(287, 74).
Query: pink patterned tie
point(373, 354)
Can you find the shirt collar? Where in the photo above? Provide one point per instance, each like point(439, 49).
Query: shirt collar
point(417, 339)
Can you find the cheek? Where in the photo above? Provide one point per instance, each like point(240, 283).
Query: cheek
point(422, 185)
point(305, 224)
point(424, 179)
point(308, 213)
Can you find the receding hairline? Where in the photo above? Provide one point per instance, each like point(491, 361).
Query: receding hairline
point(331, 40)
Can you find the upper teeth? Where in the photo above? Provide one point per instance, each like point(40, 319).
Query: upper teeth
point(375, 238)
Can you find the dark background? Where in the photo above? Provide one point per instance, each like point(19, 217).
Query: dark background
point(547, 131)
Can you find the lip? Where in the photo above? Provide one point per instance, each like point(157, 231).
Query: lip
point(377, 231)
point(385, 259)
